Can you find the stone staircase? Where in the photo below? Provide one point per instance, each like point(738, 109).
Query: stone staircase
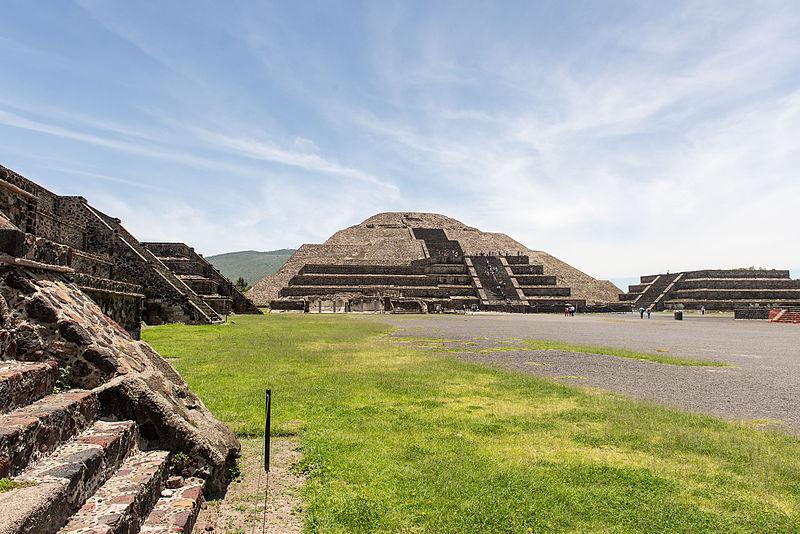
point(136, 262)
point(716, 289)
point(651, 291)
point(500, 288)
point(789, 315)
point(437, 245)
point(78, 469)
point(219, 293)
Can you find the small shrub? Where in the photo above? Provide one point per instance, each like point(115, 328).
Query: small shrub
point(64, 380)
point(179, 460)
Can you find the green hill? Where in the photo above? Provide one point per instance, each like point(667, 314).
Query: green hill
point(250, 264)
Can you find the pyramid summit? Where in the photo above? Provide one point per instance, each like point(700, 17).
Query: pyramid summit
point(424, 261)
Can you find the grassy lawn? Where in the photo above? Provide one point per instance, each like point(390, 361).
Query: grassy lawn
point(397, 438)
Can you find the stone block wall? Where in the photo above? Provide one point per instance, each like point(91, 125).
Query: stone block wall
point(219, 293)
point(715, 289)
point(66, 231)
point(752, 313)
point(45, 317)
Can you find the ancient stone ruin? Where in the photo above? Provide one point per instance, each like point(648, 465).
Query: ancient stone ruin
point(130, 281)
point(219, 293)
point(98, 433)
point(425, 262)
point(749, 290)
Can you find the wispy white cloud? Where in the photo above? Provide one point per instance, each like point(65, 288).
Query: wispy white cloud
point(623, 140)
point(306, 160)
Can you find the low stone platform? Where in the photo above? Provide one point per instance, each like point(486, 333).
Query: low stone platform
point(717, 289)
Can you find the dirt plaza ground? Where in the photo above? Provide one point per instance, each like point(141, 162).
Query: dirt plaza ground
point(760, 383)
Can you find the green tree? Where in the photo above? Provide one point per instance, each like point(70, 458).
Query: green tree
point(240, 284)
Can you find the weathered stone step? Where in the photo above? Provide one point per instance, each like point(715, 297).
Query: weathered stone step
point(30, 432)
point(22, 383)
point(121, 505)
point(176, 511)
point(58, 485)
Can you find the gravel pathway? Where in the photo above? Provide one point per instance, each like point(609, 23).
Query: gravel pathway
point(763, 383)
point(242, 505)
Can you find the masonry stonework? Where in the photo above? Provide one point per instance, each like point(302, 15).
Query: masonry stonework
point(125, 278)
point(716, 289)
point(420, 262)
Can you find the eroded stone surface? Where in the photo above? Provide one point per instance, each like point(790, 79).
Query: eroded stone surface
point(60, 483)
point(31, 432)
point(132, 381)
point(122, 503)
point(176, 511)
point(22, 383)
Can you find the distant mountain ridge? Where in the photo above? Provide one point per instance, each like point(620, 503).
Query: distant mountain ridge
point(252, 265)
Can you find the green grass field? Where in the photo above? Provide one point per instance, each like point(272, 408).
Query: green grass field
point(402, 439)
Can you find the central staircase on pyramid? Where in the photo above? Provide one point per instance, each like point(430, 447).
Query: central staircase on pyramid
point(78, 469)
point(446, 280)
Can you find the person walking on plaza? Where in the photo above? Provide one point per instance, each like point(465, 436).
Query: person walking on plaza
point(566, 311)
point(649, 310)
point(641, 312)
point(572, 310)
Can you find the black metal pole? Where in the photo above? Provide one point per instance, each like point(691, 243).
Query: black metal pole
point(267, 430)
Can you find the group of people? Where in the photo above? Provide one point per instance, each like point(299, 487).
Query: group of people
point(647, 310)
point(500, 285)
point(569, 310)
point(496, 253)
point(448, 256)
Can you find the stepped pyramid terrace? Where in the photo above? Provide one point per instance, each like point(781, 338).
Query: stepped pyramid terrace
point(425, 262)
point(131, 281)
point(98, 433)
point(717, 289)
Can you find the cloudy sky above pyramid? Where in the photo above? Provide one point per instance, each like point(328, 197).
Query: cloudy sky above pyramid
point(620, 138)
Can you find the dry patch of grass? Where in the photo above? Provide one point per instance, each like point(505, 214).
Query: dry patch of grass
point(659, 357)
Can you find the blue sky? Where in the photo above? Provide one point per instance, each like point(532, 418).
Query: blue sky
point(624, 138)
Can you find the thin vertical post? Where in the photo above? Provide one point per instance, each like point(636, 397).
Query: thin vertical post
point(267, 430)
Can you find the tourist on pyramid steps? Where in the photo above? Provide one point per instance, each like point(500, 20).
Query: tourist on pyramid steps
point(641, 312)
point(649, 311)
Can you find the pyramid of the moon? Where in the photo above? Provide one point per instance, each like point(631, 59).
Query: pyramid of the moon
point(426, 262)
